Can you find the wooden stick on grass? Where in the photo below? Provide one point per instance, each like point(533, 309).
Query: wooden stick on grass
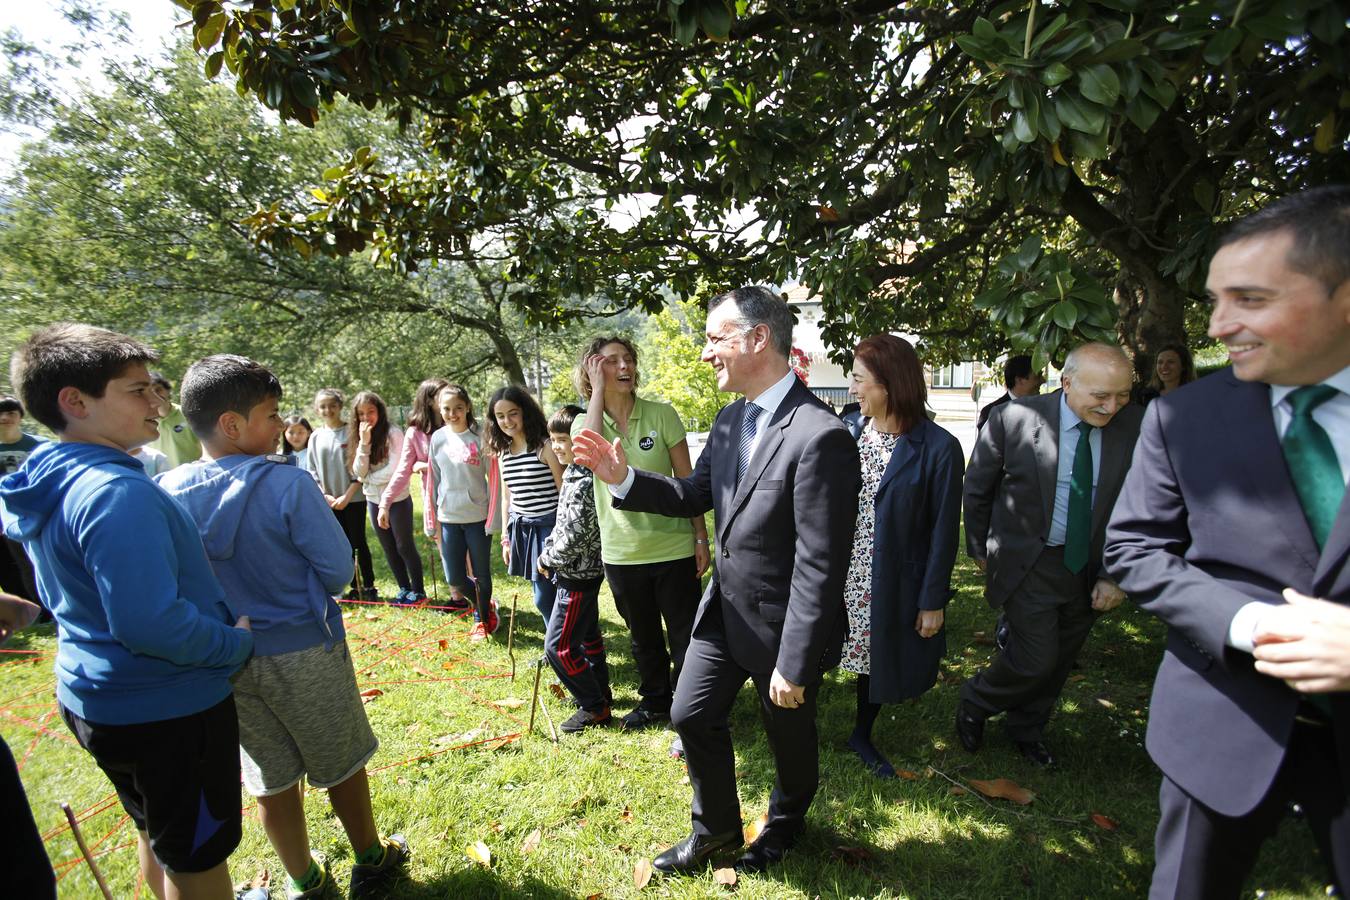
point(534, 698)
point(84, 849)
point(511, 639)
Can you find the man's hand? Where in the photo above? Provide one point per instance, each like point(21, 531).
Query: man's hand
point(981, 564)
point(784, 693)
point(1306, 643)
point(1106, 596)
point(702, 558)
point(607, 460)
point(242, 622)
point(16, 614)
point(929, 622)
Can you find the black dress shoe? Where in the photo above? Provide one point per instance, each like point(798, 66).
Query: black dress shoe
point(764, 852)
point(695, 852)
point(969, 728)
point(1036, 752)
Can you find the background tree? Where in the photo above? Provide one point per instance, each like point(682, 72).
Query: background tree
point(1053, 169)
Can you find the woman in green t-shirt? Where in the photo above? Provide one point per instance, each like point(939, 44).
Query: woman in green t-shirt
point(652, 563)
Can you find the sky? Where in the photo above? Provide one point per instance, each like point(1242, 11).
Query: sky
point(41, 22)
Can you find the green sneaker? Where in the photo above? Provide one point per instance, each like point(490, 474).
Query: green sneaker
point(370, 880)
point(326, 889)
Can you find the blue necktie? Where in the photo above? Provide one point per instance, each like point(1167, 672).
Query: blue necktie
point(747, 438)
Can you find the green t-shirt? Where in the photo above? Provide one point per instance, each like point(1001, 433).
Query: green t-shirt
point(632, 538)
point(176, 440)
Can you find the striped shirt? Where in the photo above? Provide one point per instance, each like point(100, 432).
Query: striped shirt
point(533, 492)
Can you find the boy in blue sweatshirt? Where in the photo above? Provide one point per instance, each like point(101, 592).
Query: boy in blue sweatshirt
point(146, 641)
point(280, 555)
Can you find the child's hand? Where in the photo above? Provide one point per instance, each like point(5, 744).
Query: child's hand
point(364, 432)
point(506, 555)
point(242, 622)
point(382, 518)
point(340, 503)
point(419, 468)
point(16, 614)
point(542, 569)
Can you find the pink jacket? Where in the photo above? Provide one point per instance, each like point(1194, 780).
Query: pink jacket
point(415, 445)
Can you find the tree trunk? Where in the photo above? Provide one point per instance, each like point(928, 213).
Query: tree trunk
point(1152, 312)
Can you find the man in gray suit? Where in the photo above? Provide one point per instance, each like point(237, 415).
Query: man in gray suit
point(1042, 479)
point(1233, 516)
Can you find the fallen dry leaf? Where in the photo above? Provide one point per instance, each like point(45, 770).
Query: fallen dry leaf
point(532, 842)
point(1106, 822)
point(908, 775)
point(684, 780)
point(509, 703)
point(596, 896)
point(1074, 679)
point(372, 617)
point(367, 696)
point(854, 856)
point(957, 791)
point(1106, 703)
point(725, 876)
point(1004, 789)
point(443, 644)
point(626, 815)
point(754, 828)
point(479, 853)
point(558, 691)
point(497, 828)
point(642, 873)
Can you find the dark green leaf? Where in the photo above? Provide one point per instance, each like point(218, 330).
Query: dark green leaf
point(1099, 84)
point(1221, 45)
point(1030, 249)
point(1078, 114)
point(1143, 112)
point(1023, 127)
point(1055, 73)
point(1065, 314)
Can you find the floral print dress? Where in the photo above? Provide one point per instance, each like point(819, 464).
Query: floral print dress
point(874, 449)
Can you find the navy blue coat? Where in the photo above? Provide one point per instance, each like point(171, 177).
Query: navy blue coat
point(918, 521)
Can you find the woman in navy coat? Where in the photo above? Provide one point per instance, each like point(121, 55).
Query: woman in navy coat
point(899, 579)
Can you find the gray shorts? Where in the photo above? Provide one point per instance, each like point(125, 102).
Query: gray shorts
point(300, 714)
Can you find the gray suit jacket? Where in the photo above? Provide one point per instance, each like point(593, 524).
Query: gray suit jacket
point(1208, 521)
point(1009, 494)
point(783, 534)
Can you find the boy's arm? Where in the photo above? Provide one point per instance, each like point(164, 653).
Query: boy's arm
point(124, 534)
point(566, 547)
point(317, 535)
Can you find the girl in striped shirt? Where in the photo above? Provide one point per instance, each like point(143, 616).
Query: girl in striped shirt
point(517, 433)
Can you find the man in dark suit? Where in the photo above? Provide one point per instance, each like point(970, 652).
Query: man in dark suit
point(1237, 496)
point(1042, 479)
point(781, 474)
point(1020, 380)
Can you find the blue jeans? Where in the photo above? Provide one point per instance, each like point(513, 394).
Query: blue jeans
point(470, 538)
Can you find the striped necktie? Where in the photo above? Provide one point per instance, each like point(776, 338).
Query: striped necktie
point(747, 438)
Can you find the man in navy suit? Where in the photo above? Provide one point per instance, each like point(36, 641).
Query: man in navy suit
point(781, 474)
point(1231, 518)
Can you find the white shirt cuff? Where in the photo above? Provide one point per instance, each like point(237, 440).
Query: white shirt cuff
point(1242, 630)
point(620, 490)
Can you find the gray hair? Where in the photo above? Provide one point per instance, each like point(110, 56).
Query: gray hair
point(1096, 351)
point(761, 306)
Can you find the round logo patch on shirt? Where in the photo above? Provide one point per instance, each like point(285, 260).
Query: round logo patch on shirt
point(647, 443)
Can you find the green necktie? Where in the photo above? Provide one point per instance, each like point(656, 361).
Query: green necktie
point(1312, 461)
point(1078, 530)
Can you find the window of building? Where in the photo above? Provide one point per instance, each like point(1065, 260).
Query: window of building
point(957, 375)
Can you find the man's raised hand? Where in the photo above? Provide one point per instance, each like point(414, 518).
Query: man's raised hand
point(607, 460)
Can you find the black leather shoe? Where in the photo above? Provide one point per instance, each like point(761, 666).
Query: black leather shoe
point(764, 852)
point(1036, 752)
point(969, 728)
point(694, 853)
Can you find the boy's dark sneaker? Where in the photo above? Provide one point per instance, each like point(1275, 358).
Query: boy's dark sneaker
point(583, 719)
point(350, 593)
point(370, 594)
point(642, 717)
point(371, 880)
point(457, 604)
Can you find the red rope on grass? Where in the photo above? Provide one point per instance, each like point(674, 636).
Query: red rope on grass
point(66, 866)
point(35, 652)
point(400, 649)
point(85, 814)
point(504, 738)
point(370, 684)
point(33, 743)
point(41, 729)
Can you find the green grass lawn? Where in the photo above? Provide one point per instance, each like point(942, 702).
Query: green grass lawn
point(455, 768)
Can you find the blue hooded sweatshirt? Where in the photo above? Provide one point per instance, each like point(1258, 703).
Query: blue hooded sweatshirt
point(276, 547)
point(143, 630)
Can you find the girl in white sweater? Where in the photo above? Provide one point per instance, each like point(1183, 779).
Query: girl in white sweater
point(373, 455)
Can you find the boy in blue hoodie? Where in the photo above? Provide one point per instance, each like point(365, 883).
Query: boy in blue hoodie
point(146, 642)
point(280, 556)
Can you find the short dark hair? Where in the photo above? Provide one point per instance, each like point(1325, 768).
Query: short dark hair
point(11, 404)
point(1016, 367)
point(223, 383)
point(896, 367)
point(761, 306)
point(158, 380)
point(1319, 221)
point(561, 421)
point(71, 354)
